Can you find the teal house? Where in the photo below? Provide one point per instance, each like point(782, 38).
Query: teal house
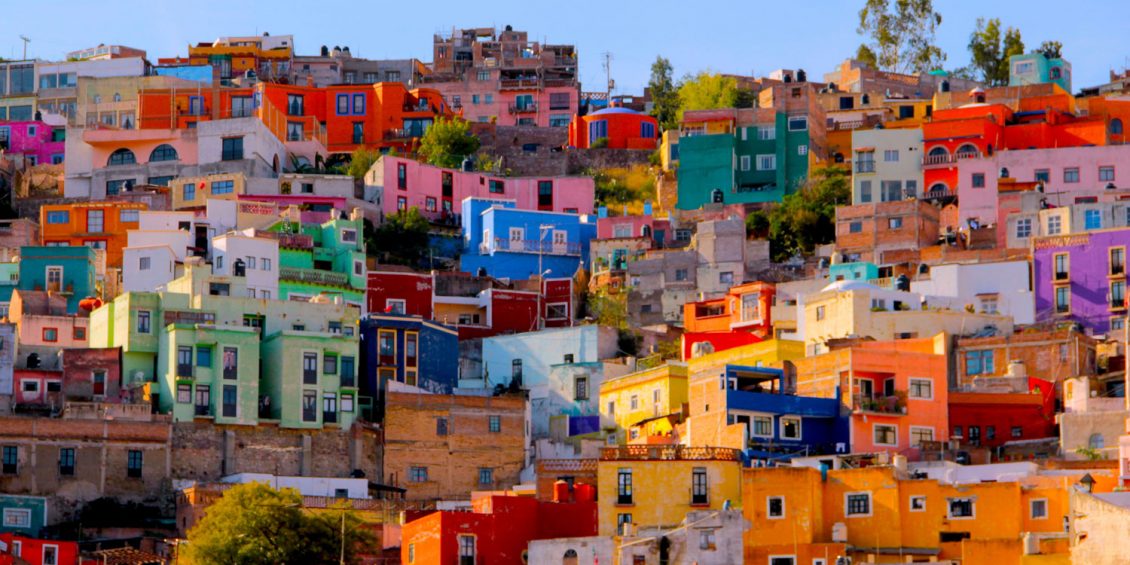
point(327, 257)
point(1038, 68)
point(65, 270)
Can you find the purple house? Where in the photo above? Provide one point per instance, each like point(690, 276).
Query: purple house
point(38, 142)
point(1082, 277)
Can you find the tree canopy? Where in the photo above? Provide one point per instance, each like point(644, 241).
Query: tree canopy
point(902, 35)
point(806, 218)
point(402, 239)
point(254, 524)
point(361, 160)
point(1051, 49)
point(706, 91)
point(447, 142)
point(664, 94)
point(990, 53)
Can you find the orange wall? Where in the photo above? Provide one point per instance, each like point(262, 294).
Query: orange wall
point(76, 232)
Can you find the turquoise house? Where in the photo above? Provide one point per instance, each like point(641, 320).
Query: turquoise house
point(1037, 68)
point(66, 270)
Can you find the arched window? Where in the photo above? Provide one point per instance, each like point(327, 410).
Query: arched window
point(966, 151)
point(164, 152)
point(117, 97)
point(645, 231)
point(1095, 441)
point(938, 188)
point(570, 557)
point(716, 196)
point(1116, 126)
point(938, 151)
point(122, 157)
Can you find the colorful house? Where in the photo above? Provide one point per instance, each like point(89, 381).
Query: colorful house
point(526, 359)
point(267, 56)
point(66, 270)
point(888, 164)
point(407, 349)
point(1082, 277)
point(38, 142)
point(19, 549)
point(993, 412)
point(1039, 68)
point(505, 242)
point(27, 514)
point(438, 193)
point(741, 317)
point(627, 400)
point(620, 128)
point(322, 258)
point(100, 225)
point(400, 290)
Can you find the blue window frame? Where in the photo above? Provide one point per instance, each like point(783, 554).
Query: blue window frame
point(1092, 220)
point(189, 191)
point(358, 104)
point(979, 362)
point(195, 105)
point(597, 130)
point(223, 187)
point(59, 217)
point(343, 104)
point(647, 130)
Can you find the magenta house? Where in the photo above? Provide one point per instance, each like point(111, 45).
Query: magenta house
point(404, 183)
point(1082, 277)
point(38, 142)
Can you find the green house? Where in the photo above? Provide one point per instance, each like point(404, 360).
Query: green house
point(312, 376)
point(322, 258)
point(209, 371)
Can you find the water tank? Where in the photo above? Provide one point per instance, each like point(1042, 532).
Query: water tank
point(801, 76)
point(468, 164)
point(560, 491)
point(239, 269)
point(1016, 368)
point(584, 492)
point(90, 303)
point(1004, 172)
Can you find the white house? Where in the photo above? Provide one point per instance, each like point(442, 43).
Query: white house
point(256, 257)
point(1002, 287)
point(146, 267)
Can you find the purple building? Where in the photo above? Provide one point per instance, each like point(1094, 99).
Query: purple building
point(38, 142)
point(1082, 277)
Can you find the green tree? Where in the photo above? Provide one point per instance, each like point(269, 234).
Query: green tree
point(865, 55)
point(361, 160)
point(706, 91)
point(807, 218)
point(902, 35)
point(447, 142)
point(664, 94)
point(402, 238)
point(1051, 49)
point(990, 54)
point(254, 524)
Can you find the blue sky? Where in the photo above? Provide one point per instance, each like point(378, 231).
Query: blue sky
point(746, 37)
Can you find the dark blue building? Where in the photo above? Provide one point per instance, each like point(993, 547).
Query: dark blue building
point(779, 424)
point(409, 350)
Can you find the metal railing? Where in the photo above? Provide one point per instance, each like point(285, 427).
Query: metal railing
point(865, 166)
point(313, 276)
point(524, 108)
point(545, 247)
point(189, 317)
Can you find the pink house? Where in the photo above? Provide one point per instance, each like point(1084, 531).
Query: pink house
point(435, 191)
point(37, 141)
point(1069, 175)
point(646, 225)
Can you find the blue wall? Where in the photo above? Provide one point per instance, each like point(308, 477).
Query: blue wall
point(520, 260)
point(539, 351)
point(437, 358)
point(78, 271)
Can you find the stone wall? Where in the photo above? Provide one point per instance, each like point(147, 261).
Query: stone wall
point(536, 151)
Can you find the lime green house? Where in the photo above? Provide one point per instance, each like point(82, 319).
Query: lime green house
point(327, 257)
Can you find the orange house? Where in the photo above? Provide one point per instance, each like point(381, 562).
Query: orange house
point(101, 225)
point(621, 128)
point(967, 132)
point(898, 391)
point(177, 108)
point(739, 318)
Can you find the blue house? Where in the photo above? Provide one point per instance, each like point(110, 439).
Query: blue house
point(779, 424)
point(529, 358)
point(501, 241)
point(65, 270)
point(407, 349)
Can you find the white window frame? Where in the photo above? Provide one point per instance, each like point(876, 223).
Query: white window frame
point(768, 508)
point(911, 380)
point(390, 302)
point(949, 508)
point(1032, 508)
point(553, 304)
point(14, 512)
point(781, 427)
point(802, 150)
point(870, 504)
point(744, 161)
point(348, 230)
point(766, 133)
point(933, 432)
point(753, 427)
point(910, 505)
point(773, 160)
point(519, 232)
point(875, 428)
point(54, 547)
point(789, 123)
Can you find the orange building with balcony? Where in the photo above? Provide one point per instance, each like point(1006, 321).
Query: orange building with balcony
point(101, 225)
point(739, 318)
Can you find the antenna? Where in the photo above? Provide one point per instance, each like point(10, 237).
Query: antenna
point(610, 84)
point(26, 40)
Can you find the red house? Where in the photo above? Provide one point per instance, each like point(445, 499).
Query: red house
point(400, 289)
point(739, 318)
point(621, 127)
point(497, 530)
point(995, 412)
point(18, 550)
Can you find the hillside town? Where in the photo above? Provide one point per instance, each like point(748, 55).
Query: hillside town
point(265, 302)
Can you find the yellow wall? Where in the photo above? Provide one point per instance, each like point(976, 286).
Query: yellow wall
point(670, 379)
point(203, 193)
point(662, 490)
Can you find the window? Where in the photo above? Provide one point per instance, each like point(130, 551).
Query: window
point(516, 370)
point(1017, 431)
point(890, 190)
point(979, 362)
point(745, 163)
point(855, 227)
point(891, 155)
point(188, 191)
point(819, 313)
point(1092, 220)
point(184, 394)
point(790, 427)
point(857, 504)
point(230, 398)
point(486, 476)
point(680, 275)
point(557, 311)
point(1038, 508)
point(494, 424)
point(203, 400)
point(624, 486)
point(232, 149)
point(342, 104)
point(766, 162)
point(1106, 174)
point(51, 334)
point(919, 434)
point(466, 550)
point(497, 186)
point(441, 426)
point(921, 388)
point(163, 152)
point(348, 371)
point(223, 187)
point(1062, 267)
point(581, 388)
point(798, 123)
point(726, 277)
point(775, 507)
point(309, 406)
point(295, 131)
point(203, 356)
point(1071, 174)
point(418, 474)
point(50, 555)
point(95, 221)
point(886, 435)
point(310, 368)
point(122, 157)
point(1062, 300)
point(1024, 228)
point(802, 150)
point(1117, 264)
point(59, 217)
point(960, 508)
point(762, 426)
point(1043, 175)
point(11, 459)
point(699, 488)
point(864, 191)
point(894, 223)
point(17, 518)
point(706, 540)
point(67, 461)
point(329, 408)
point(634, 402)
point(133, 464)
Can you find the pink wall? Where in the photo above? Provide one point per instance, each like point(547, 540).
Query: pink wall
point(502, 100)
point(32, 329)
point(982, 203)
point(142, 142)
point(570, 194)
point(38, 145)
point(605, 227)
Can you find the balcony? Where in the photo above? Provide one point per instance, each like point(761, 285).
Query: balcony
point(865, 166)
point(939, 195)
point(893, 405)
point(545, 247)
point(531, 108)
point(202, 410)
point(668, 453)
point(948, 159)
point(313, 276)
point(518, 83)
point(189, 317)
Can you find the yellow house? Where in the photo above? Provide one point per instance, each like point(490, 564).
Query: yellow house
point(669, 150)
point(638, 396)
point(656, 486)
point(194, 192)
point(882, 515)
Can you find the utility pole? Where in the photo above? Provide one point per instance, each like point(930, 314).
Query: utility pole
point(609, 83)
point(26, 40)
point(541, 273)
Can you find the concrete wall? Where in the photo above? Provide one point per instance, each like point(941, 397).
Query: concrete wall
point(1102, 531)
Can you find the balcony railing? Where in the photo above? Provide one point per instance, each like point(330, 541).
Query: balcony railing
point(189, 317)
point(313, 276)
point(516, 83)
point(894, 404)
point(935, 194)
point(203, 410)
point(544, 247)
point(947, 159)
point(668, 453)
point(524, 108)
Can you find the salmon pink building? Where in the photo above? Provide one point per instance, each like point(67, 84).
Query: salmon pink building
point(38, 142)
point(621, 128)
point(435, 191)
point(739, 318)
